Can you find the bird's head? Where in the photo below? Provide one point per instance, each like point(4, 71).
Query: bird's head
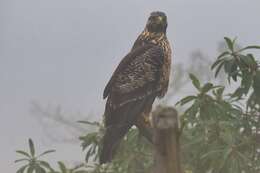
point(157, 22)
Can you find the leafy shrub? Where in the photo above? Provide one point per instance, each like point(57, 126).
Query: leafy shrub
point(220, 129)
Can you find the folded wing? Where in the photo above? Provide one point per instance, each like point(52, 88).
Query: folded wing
point(131, 91)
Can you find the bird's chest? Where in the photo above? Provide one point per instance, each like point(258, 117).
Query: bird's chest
point(166, 70)
point(164, 44)
point(167, 60)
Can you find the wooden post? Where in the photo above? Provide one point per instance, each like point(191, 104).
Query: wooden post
point(166, 141)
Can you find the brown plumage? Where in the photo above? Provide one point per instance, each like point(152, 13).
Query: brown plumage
point(141, 76)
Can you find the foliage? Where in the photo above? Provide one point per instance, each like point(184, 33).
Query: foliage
point(220, 129)
point(64, 169)
point(134, 154)
point(32, 160)
point(220, 134)
point(35, 165)
point(237, 64)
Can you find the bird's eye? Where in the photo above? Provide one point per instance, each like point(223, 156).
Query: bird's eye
point(164, 18)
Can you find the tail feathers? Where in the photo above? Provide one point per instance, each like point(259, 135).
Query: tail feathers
point(108, 150)
point(111, 141)
point(118, 122)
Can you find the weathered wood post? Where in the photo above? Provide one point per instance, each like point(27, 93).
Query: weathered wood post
point(166, 141)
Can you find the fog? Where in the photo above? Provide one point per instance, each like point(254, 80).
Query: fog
point(63, 52)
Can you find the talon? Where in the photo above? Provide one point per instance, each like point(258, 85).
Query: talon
point(146, 120)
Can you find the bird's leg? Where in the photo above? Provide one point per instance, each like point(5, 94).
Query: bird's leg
point(146, 120)
point(144, 125)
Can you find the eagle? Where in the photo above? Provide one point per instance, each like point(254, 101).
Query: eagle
point(140, 78)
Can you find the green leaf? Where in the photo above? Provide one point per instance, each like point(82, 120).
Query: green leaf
point(62, 167)
point(19, 160)
point(256, 83)
point(247, 80)
point(249, 60)
point(31, 145)
point(234, 72)
point(193, 110)
point(23, 153)
point(46, 165)
point(186, 100)
point(238, 93)
point(225, 157)
point(223, 54)
point(249, 47)
point(207, 87)
point(216, 63)
point(229, 43)
point(30, 169)
point(219, 68)
point(46, 152)
point(228, 66)
point(195, 81)
point(89, 139)
point(39, 169)
point(22, 169)
point(88, 154)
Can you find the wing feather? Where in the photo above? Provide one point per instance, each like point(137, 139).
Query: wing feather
point(136, 76)
point(131, 91)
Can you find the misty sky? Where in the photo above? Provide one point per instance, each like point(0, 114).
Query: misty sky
point(63, 52)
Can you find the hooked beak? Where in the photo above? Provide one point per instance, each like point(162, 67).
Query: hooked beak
point(159, 20)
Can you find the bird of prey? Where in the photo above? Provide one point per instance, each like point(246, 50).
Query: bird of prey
point(141, 77)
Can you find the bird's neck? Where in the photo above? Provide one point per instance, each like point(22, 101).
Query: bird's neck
point(150, 37)
point(153, 37)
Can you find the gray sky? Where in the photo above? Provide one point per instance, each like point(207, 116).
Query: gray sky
point(63, 52)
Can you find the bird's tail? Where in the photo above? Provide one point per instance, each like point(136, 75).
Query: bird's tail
point(117, 122)
point(111, 141)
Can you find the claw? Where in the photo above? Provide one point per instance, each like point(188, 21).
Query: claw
point(146, 120)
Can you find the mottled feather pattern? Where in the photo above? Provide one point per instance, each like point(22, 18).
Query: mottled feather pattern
point(141, 77)
point(164, 80)
point(138, 79)
point(144, 69)
point(160, 40)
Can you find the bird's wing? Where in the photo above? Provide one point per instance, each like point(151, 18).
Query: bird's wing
point(131, 91)
point(137, 75)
